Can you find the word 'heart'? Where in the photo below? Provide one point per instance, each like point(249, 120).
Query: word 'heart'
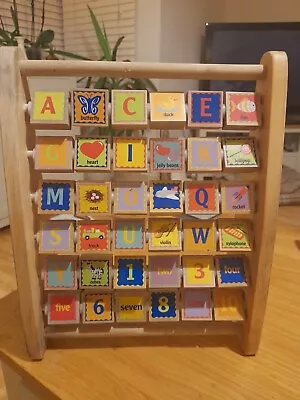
point(92, 150)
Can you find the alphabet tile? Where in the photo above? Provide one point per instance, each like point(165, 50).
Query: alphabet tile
point(93, 198)
point(198, 271)
point(234, 236)
point(228, 304)
point(130, 198)
point(92, 154)
point(204, 154)
point(201, 198)
point(199, 236)
point(167, 155)
point(166, 197)
point(53, 153)
point(63, 308)
point(164, 306)
point(164, 234)
point(130, 154)
point(98, 308)
point(130, 273)
point(93, 237)
point(56, 198)
point(95, 273)
point(164, 272)
point(89, 107)
point(51, 109)
point(237, 198)
point(242, 109)
point(56, 237)
point(129, 235)
point(131, 308)
point(60, 273)
point(129, 109)
point(240, 153)
point(205, 109)
point(196, 305)
point(232, 271)
point(167, 110)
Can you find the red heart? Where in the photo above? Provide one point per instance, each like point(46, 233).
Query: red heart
point(92, 150)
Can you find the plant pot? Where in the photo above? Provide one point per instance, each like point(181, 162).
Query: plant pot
point(34, 53)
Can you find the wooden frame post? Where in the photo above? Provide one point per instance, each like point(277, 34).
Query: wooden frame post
point(273, 90)
point(15, 142)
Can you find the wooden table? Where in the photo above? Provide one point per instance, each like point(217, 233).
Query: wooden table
point(183, 368)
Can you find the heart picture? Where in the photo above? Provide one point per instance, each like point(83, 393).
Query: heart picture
point(92, 150)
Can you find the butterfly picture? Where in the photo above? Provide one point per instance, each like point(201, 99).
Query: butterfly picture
point(89, 104)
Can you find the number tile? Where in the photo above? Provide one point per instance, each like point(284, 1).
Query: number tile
point(196, 305)
point(129, 273)
point(164, 306)
point(97, 308)
point(131, 307)
point(198, 271)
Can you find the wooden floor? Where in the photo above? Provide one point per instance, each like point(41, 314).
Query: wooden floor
point(223, 374)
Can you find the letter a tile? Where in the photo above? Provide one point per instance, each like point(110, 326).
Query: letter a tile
point(56, 198)
point(50, 109)
point(204, 154)
point(205, 109)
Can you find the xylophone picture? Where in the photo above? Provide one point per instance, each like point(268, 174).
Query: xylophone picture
point(152, 233)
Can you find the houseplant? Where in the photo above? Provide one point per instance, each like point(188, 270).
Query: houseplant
point(36, 42)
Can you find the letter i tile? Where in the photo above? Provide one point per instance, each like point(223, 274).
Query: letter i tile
point(60, 273)
point(204, 154)
point(164, 306)
point(130, 154)
point(201, 198)
point(63, 308)
point(56, 197)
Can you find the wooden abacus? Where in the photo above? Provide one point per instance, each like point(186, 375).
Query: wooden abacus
point(215, 256)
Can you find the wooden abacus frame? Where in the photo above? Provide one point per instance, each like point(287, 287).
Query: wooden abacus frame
point(18, 137)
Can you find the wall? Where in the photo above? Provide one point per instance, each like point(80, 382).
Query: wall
point(261, 11)
point(170, 31)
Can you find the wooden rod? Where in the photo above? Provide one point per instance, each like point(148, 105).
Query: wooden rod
point(202, 328)
point(141, 70)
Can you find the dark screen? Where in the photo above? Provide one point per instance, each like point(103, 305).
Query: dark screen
point(247, 47)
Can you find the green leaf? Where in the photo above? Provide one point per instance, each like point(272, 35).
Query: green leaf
point(116, 48)
point(102, 39)
point(6, 37)
point(45, 38)
point(88, 82)
point(14, 16)
point(70, 55)
point(100, 83)
point(2, 24)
